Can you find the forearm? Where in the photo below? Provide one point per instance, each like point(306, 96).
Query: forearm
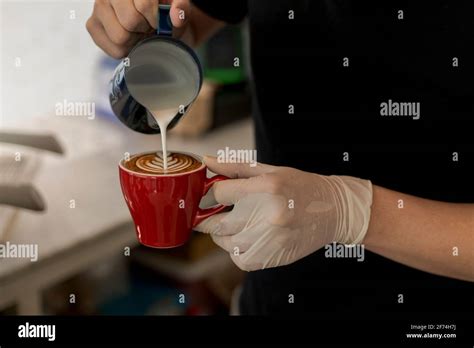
point(432, 236)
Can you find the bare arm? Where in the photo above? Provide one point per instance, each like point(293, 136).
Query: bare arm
point(432, 236)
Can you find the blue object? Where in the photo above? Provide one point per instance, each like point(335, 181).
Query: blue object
point(165, 27)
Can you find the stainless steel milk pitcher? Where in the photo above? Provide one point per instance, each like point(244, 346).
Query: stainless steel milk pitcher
point(180, 63)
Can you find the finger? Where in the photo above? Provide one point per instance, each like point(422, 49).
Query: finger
point(224, 242)
point(237, 170)
point(101, 39)
point(129, 17)
point(179, 13)
point(229, 192)
point(244, 265)
point(149, 10)
point(211, 225)
point(259, 251)
point(114, 30)
point(231, 244)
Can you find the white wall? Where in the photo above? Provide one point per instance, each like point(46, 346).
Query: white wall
point(58, 58)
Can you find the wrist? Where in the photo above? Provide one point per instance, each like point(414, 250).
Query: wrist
point(353, 200)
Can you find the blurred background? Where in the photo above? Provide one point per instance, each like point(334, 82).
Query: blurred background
point(59, 186)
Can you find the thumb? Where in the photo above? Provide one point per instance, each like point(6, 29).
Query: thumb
point(237, 170)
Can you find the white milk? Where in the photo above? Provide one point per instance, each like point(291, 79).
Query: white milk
point(163, 118)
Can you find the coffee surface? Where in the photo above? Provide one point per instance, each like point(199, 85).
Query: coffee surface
point(152, 163)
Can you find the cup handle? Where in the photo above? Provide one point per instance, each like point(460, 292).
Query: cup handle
point(203, 214)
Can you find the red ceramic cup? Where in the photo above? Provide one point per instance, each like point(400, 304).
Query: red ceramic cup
point(165, 208)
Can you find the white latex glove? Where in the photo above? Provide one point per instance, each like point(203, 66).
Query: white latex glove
point(282, 214)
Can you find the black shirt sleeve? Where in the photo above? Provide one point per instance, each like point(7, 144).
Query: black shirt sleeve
point(230, 11)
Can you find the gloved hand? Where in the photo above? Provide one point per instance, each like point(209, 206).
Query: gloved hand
point(282, 214)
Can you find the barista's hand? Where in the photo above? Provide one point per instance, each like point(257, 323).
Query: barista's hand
point(281, 214)
point(117, 25)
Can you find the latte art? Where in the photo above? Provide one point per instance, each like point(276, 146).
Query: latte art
point(152, 163)
point(155, 163)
